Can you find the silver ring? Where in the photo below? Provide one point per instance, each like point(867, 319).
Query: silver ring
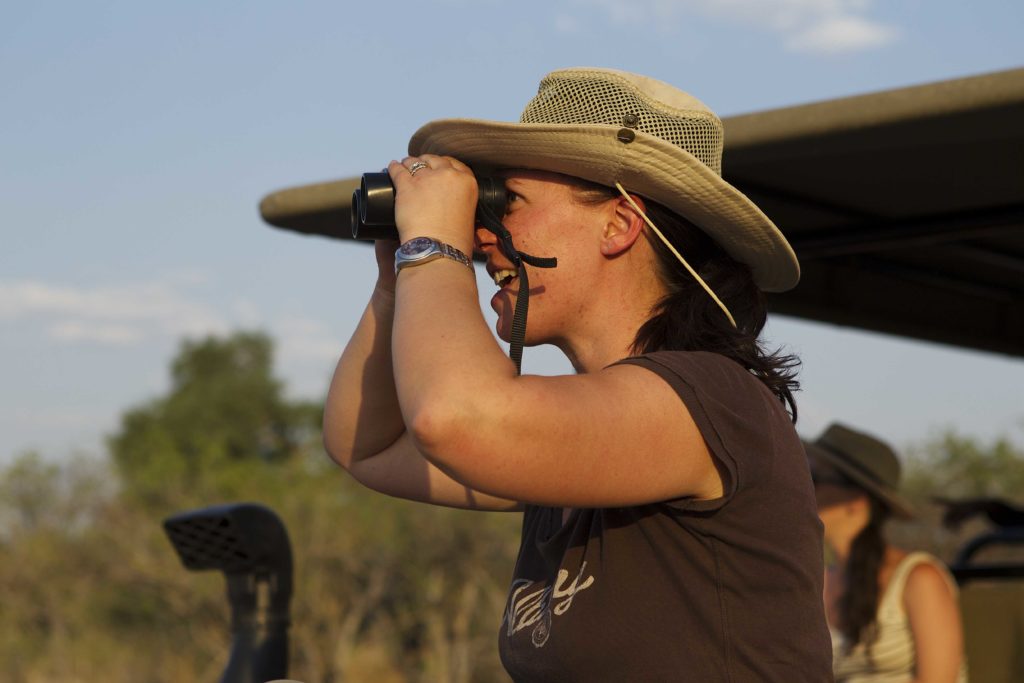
point(417, 167)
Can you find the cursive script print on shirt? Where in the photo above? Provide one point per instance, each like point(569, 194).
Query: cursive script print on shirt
point(538, 607)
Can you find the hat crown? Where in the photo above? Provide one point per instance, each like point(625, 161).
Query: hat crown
point(621, 99)
point(867, 454)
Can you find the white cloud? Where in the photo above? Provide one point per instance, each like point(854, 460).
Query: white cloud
point(113, 315)
point(100, 333)
point(303, 339)
point(842, 34)
point(566, 23)
point(55, 418)
point(621, 11)
point(137, 314)
point(813, 26)
point(307, 351)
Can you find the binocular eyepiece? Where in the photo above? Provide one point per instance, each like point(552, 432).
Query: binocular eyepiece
point(373, 205)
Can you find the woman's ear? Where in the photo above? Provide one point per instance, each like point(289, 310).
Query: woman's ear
point(624, 226)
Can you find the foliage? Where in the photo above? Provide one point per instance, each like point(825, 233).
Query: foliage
point(385, 590)
point(225, 410)
point(952, 466)
point(963, 467)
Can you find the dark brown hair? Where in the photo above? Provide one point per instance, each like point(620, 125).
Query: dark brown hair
point(858, 605)
point(687, 318)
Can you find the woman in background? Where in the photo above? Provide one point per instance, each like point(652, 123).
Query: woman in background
point(893, 614)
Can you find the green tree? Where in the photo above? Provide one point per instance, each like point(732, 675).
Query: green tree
point(950, 465)
point(29, 489)
point(958, 466)
point(224, 409)
point(385, 590)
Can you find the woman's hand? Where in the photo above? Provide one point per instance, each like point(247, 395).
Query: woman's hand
point(435, 197)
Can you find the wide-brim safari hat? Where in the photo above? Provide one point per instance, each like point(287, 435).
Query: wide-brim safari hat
point(865, 460)
point(610, 127)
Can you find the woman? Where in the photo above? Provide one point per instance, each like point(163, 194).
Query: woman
point(893, 614)
point(669, 527)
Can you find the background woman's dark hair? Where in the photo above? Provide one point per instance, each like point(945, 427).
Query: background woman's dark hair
point(687, 319)
point(858, 605)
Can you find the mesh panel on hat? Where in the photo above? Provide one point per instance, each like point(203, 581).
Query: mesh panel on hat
point(577, 100)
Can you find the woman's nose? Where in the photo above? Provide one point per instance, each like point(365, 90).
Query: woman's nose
point(482, 238)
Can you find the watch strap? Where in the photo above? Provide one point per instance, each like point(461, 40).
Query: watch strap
point(439, 250)
point(455, 254)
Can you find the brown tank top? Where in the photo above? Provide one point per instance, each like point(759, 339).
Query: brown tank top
point(683, 590)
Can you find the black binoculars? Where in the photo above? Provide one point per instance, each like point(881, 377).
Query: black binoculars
point(373, 205)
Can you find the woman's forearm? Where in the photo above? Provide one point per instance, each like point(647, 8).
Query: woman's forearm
point(361, 414)
point(446, 358)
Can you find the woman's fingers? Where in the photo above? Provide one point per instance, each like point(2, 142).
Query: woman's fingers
point(435, 197)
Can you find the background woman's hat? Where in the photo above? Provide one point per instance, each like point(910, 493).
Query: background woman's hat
point(609, 126)
point(866, 461)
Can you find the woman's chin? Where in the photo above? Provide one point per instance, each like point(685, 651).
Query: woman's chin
point(502, 305)
point(501, 301)
point(503, 331)
point(503, 327)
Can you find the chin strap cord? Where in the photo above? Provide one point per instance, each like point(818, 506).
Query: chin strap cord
point(493, 223)
point(679, 256)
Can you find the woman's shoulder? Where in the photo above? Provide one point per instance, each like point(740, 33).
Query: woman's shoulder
point(908, 562)
point(716, 379)
point(927, 574)
point(744, 425)
point(674, 356)
point(695, 366)
point(917, 575)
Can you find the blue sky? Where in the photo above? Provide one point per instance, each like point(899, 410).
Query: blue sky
point(136, 140)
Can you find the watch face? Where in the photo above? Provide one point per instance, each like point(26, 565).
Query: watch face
point(416, 247)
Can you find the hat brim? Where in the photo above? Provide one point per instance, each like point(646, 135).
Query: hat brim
point(900, 507)
point(648, 166)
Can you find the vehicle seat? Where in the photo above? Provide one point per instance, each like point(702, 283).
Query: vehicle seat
point(993, 615)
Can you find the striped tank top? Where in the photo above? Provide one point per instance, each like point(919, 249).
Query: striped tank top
point(892, 654)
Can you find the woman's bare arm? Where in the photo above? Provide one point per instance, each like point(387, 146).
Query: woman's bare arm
point(934, 615)
point(363, 428)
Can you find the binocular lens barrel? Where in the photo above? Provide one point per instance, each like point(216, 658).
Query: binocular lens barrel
point(373, 204)
point(373, 208)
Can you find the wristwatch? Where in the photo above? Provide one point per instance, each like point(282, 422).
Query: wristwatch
point(422, 249)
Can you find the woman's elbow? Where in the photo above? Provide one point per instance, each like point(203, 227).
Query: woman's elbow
point(335, 446)
point(438, 428)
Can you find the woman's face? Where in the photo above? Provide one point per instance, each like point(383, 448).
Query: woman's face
point(545, 220)
point(838, 500)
